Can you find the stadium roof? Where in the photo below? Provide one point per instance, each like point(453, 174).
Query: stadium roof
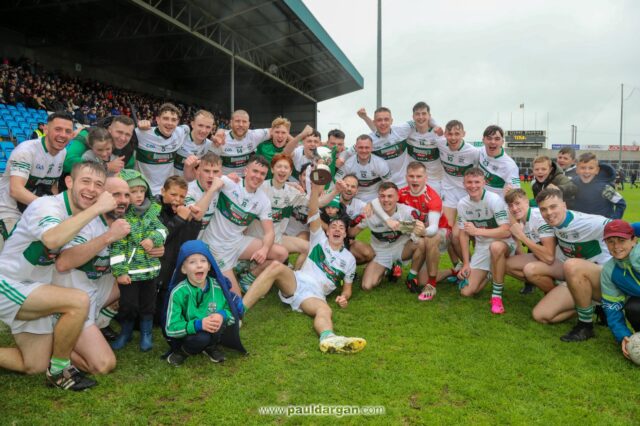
point(190, 42)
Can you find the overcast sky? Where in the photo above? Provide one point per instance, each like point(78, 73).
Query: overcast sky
point(477, 60)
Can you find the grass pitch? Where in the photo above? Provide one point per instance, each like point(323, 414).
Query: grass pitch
point(446, 361)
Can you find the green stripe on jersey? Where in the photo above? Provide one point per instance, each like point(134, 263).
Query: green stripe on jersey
point(423, 154)
point(387, 236)
point(11, 293)
point(455, 170)
point(581, 250)
point(318, 257)
point(234, 212)
point(38, 255)
point(149, 157)
point(391, 151)
point(494, 181)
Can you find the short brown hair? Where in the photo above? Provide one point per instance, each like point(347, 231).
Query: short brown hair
point(168, 107)
point(474, 171)
point(381, 109)
point(542, 159)
point(175, 180)
point(585, 157)
point(387, 185)
point(204, 113)
point(123, 119)
point(514, 194)
point(416, 165)
point(210, 158)
point(568, 150)
point(453, 124)
point(548, 193)
point(97, 168)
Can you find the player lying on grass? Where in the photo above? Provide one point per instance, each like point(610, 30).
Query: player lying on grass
point(328, 264)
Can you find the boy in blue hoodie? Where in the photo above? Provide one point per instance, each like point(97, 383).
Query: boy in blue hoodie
point(596, 193)
point(202, 312)
point(620, 282)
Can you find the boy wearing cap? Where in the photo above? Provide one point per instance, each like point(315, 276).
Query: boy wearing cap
point(620, 282)
point(134, 269)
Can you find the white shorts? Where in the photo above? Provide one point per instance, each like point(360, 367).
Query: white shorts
point(98, 298)
point(387, 256)
point(12, 296)
point(451, 196)
point(481, 258)
point(227, 256)
point(306, 288)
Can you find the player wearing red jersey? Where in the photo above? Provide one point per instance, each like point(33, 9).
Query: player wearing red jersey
point(426, 200)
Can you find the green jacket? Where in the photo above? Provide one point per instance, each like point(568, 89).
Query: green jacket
point(189, 304)
point(127, 256)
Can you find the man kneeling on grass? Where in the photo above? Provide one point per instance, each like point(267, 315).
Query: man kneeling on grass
point(202, 312)
point(328, 263)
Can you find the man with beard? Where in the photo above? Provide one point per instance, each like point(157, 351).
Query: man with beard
point(28, 301)
point(83, 264)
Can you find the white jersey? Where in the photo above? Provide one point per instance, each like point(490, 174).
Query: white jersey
point(424, 147)
point(370, 175)
point(393, 149)
point(97, 271)
point(354, 208)
point(328, 267)
point(536, 228)
point(24, 257)
point(29, 160)
point(581, 236)
point(283, 201)
point(235, 153)
point(155, 154)
point(455, 163)
point(189, 147)
point(194, 193)
point(488, 213)
point(298, 221)
point(299, 160)
point(383, 237)
point(499, 171)
point(236, 209)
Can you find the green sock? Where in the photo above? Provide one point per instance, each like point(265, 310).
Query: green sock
point(497, 290)
point(585, 314)
point(412, 275)
point(247, 280)
point(325, 334)
point(58, 364)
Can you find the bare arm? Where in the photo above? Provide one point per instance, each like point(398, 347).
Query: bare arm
point(19, 192)
point(362, 113)
point(293, 142)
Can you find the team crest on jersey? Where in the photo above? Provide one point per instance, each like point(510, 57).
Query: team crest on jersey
point(39, 167)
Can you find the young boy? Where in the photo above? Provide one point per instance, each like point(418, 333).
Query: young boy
point(566, 160)
point(201, 311)
point(619, 282)
point(134, 269)
point(546, 172)
point(596, 192)
point(200, 192)
point(101, 143)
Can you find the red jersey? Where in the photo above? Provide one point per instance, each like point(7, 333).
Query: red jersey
point(428, 201)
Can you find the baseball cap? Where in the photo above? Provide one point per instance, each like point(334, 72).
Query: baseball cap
point(618, 228)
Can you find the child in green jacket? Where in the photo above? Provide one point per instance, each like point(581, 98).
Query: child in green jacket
point(134, 269)
point(201, 313)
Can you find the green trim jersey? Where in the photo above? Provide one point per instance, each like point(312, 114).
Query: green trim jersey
point(155, 154)
point(488, 213)
point(94, 273)
point(393, 149)
point(384, 238)
point(581, 236)
point(235, 153)
point(24, 257)
point(29, 160)
point(326, 267)
point(499, 171)
point(283, 201)
point(536, 228)
point(455, 163)
point(236, 209)
point(189, 147)
point(425, 148)
point(354, 208)
point(194, 193)
point(370, 175)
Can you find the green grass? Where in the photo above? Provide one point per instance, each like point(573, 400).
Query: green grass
point(449, 361)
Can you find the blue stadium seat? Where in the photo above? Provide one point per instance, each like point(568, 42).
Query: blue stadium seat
point(3, 166)
point(7, 147)
point(4, 132)
point(21, 137)
point(11, 107)
point(20, 105)
point(3, 106)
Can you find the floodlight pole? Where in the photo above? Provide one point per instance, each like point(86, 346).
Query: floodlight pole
point(621, 115)
point(379, 57)
point(233, 85)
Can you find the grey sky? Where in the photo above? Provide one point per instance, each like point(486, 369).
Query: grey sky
point(473, 60)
